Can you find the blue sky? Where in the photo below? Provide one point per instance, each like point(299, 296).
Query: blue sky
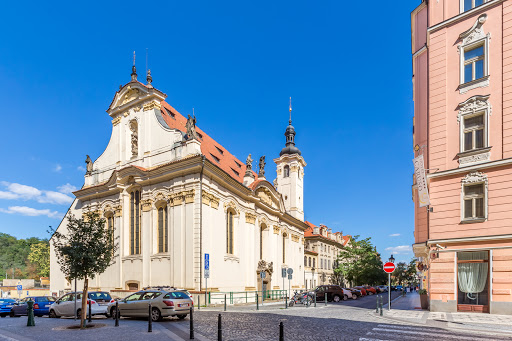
point(346, 65)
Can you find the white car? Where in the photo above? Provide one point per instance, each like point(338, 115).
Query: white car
point(65, 306)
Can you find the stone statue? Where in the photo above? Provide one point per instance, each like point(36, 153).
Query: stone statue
point(88, 162)
point(262, 167)
point(134, 138)
point(191, 128)
point(248, 162)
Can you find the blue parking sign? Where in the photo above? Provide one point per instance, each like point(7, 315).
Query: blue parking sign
point(207, 261)
point(19, 287)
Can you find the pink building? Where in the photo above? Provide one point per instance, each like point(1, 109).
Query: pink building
point(462, 77)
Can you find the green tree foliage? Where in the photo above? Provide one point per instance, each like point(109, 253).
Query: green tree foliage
point(84, 250)
point(405, 273)
point(359, 263)
point(40, 256)
point(14, 255)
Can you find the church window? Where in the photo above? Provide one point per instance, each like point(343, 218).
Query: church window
point(284, 248)
point(110, 225)
point(263, 227)
point(135, 223)
point(314, 261)
point(305, 261)
point(286, 171)
point(309, 261)
point(229, 232)
point(163, 230)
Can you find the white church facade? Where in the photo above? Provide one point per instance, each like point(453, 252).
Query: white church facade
point(172, 194)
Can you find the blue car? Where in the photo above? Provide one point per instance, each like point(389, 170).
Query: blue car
point(6, 305)
point(41, 306)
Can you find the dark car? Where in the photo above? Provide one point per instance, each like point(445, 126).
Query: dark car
point(5, 306)
point(333, 292)
point(41, 306)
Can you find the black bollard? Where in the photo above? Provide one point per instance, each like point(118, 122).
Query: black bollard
point(198, 302)
point(219, 329)
point(192, 323)
point(315, 299)
point(325, 299)
point(90, 311)
point(281, 331)
point(117, 314)
point(150, 321)
point(286, 303)
point(381, 306)
point(257, 302)
point(30, 313)
point(377, 309)
point(224, 302)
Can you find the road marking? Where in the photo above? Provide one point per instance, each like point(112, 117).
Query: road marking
point(366, 339)
point(458, 337)
point(405, 327)
point(173, 336)
point(7, 338)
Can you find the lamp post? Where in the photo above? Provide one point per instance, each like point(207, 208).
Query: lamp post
point(392, 260)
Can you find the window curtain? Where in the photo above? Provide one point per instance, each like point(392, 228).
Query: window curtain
point(472, 276)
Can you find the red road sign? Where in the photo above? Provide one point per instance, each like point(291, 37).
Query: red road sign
point(389, 267)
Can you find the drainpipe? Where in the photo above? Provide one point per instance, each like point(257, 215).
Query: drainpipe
point(201, 225)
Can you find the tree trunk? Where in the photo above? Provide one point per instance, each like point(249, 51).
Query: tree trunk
point(84, 303)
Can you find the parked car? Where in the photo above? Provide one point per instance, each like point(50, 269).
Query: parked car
point(41, 306)
point(164, 303)
point(362, 289)
point(370, 290)
point(333, 292)
point(399, 287)
point(355, 293)
point(383, 288)
point(65, 306)
point(6, 305)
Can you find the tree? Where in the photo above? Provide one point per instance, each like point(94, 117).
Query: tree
point(40, 256)
point(14, 255)
point(360, 263)
point(405, 273)
point(87, 248)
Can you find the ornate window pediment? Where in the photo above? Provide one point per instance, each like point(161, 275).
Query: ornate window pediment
point(475, 32)
point(474, 177)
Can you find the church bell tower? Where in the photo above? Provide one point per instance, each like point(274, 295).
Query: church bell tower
point(290, 173)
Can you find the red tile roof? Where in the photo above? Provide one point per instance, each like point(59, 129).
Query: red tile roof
point(309, 233)
point(212, 150)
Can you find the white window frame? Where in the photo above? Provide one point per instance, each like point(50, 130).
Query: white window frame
point(463, 132)
point(471, 39)
point(462, 6)
point(473, 106)
point(474, 178)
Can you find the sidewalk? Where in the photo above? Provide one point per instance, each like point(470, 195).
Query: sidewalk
point(408, 309)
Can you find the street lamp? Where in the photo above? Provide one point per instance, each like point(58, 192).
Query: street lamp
point(392, 259)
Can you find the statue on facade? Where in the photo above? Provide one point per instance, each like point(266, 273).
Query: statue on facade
point(134, 138)
point(88, 162)
point(248, 162)
point(261, 173)
point(191, 128)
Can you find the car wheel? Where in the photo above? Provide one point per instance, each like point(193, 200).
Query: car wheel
point(155, 315)
point(113, 313)
point(370, 293)
point(2, 315)
point(354, 297)
point(11, 314)
point(345, 297)
point(181, 317)
point(52, 314)
point(292, 302)
point(336, 298)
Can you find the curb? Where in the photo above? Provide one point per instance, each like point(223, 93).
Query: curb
point(466, 328)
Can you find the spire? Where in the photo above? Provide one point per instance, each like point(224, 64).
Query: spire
point(134, 70)
point(290, 137)
point(149, 79)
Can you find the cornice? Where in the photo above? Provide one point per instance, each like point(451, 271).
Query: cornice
point(485, 165)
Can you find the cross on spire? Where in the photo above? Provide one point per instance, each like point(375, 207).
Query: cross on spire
point(290, 111)
point(134, 70)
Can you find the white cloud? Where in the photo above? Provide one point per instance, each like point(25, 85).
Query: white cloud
point(81, 168)
point(394, 234)
point(24, 192)
point(31, 212)
point(399, 249)
point(57, 168)
point(67, 188)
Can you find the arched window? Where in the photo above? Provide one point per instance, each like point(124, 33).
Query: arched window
point(286, 171)
point(309, 261)
point(262, 227)
point(314, 262)
point(284, 248)
point(305, 261)
point(110, 224)
point(135, 223)
point(229, 232)
point(163, 230)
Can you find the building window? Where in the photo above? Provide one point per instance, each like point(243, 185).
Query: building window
point(135, 223)
point(321, 263)
point(309, 261)
point(305, 261)
point(314, 262)
point(229, 232)
point(474, 201)
point(474, 132)
point(473, 281)
point(262, 228)
point(286, 171)
point(470, 4)
point(474, 63)
point(284, 247)
point(163, 230)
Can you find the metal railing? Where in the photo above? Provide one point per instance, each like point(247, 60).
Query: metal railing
point(240, 297)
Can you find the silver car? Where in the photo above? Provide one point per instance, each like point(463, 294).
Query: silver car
point(164, 302)
point(65, 306)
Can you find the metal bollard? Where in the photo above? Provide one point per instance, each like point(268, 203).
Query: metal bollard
point(285, 302)
point(30, 314)
point(191, 323)
point(281, 331)
point(315, 299)
point(224, 302)
point(198, 302)
point(150, 321)
point(377, 309)
point(90, 310)
point(117, 314)
point(381, 307)
point(219, 329)
point(257, 302)
point(325, 299)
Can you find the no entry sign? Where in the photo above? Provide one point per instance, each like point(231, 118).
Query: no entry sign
point(389, 267)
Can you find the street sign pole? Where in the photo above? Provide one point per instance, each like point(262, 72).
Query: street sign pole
point(389, 291)
point(206, 276)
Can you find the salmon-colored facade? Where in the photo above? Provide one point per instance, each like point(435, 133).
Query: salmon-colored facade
point(462, 81)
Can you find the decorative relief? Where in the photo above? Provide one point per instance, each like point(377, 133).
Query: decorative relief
point(250, 218)
point(474, 159)
point(151, 105)
point(475, 32)
point(295, 238)
point(118, 211)
point(265, 195)
point(137, 108)
point(474, 177)
point(210, 200)
point(134, 138)
point(276, 229)
point(180, 197)
point(279, 171)
point(473, 105)
point(116, 120)
point(126, 113)
point(130, 95)
point(265, 266)
point(146, 205)
point(231, 205)
point(294, 168)
point(189, 196)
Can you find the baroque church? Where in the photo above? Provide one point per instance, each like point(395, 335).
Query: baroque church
point(172, 194)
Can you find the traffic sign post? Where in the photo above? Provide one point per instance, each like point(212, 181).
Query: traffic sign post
point(206, 276)
point(389, 268)
point(263, 274)
point(19, 287)
point(289, 271)
point(283, 274)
